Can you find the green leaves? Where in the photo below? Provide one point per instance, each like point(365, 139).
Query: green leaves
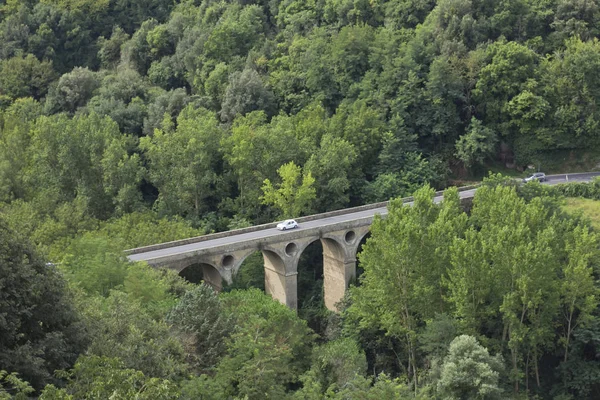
point(201, 319)
point(25, 76)
point(477, 144)
point(469, 372)
point(39, 330)
point(103, 377)
point(86, 156)
point(183, 162)
point(295, 193)
point(267, 350)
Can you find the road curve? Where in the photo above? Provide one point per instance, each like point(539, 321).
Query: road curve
point(268, 232)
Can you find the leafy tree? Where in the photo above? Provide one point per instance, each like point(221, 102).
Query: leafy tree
point(246, 92)
point(124, 84)
point(254, 152)
point(25, 76)
point(338, 363)
point(575, 19)
point(103, 377)
point(11, 383)
point(507, 267)
point(121, 327)
point(239, 30)
point(571, 89)
point(402, 180)
point(183, 162)
point(144, 228)
point(215, 85)
point(511, 68)
point(110, 49)
point(171, 103)
point(438, 334)
point(580, 373)
point(362, 126)
point(94, 264)
point(475, 145)
point(579, 294)
point(331, 167)
point(403, 261)
point(86, 156)
point(382, 387)
point(469, 372)
point(349, 54)
point(15, 138)
point(136, 53)
point(295, 193)
point(40, 331)
point(72, 91)
point(267, 351)
point(200, 319)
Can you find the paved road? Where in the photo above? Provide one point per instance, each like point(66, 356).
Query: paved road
point(552, 179)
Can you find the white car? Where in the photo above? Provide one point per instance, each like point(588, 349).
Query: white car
point(287, 224)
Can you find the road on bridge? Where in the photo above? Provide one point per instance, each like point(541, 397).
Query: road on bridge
point(268, 232)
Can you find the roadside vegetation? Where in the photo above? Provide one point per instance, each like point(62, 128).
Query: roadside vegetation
point(127, 123)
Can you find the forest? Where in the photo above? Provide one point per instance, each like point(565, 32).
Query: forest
point(126, 123)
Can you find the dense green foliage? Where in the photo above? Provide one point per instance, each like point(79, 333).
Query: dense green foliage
point(126, 123)
point(192, 107)
point(40, 330)
point(498, 303)
point(518, 274)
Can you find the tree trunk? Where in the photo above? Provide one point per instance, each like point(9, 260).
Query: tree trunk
point(515, 370)
point(527, 375)
point(568, 338)
point(513, 352)
point(537, 371)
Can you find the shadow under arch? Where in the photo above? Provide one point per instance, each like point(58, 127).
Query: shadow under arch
point(249, 274)
point(311, 305)
point(360, 270)
point(198, 272)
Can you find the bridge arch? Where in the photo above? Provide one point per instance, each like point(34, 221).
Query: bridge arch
point(248, 271)
point(201, 271)
point(310, 281)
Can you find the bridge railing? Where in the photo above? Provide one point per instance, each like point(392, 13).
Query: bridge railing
point(271, 225)
point(313, 217)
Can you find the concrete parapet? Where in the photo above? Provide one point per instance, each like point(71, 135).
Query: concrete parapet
point(271, 225)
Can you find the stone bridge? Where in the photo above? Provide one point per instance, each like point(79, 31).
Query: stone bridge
point(221, 255)
point(340, 232)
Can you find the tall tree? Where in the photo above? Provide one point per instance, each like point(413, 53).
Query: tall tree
point(399, 286)
point(183, 162)
point(294, 195)
point(40, 331)
point(579, 294)
point(469, 372)
point(200, 317)
point(83, 157)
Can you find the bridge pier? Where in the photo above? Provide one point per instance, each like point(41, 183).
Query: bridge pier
point(282, 287)
point(212, 277)
point(281, 269)
point(339, 263)
point(281, 255)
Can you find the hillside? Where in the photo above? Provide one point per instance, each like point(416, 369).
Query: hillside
point(125, 123)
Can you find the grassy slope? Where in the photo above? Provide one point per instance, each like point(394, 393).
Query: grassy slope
point(589, 208)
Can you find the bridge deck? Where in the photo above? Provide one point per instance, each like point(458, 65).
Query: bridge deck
point(179, 249)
